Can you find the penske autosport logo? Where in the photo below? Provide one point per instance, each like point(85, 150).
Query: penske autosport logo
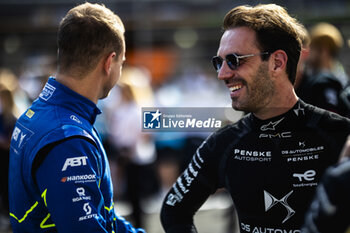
point(252, 156)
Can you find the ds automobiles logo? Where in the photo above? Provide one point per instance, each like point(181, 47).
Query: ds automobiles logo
point(271, 201)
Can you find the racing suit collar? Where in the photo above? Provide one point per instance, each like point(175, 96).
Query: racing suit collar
point(59, 94)
point(270, 124)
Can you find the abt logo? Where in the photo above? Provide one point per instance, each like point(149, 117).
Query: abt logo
point(74, 162)
point(309, 175)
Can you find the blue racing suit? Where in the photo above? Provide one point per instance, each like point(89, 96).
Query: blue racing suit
point(59, 177)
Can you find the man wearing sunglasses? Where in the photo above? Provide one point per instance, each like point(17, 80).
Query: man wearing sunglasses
point(271, 160)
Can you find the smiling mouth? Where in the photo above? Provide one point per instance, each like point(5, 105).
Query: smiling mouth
point(236, 88)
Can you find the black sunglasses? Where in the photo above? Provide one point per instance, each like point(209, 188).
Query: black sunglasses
point(232, 60)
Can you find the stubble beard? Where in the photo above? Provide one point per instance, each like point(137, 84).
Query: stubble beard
point(258, 92)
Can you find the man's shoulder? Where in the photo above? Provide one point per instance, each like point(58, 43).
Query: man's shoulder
point(40, 114)
point(40, 126)
point(324, 118)
point(46, 117)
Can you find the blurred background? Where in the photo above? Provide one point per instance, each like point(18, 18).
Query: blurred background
point(168, 63)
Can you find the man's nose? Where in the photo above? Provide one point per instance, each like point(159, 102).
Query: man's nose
point(225, 71)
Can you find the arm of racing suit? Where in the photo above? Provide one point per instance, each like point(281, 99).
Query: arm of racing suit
point(190, 191)
point(75, 185)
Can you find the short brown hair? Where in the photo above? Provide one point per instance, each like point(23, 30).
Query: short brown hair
point(85, 34)
point(275, 29)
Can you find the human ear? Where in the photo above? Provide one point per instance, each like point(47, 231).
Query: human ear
point(108, 62)
point(279, 60)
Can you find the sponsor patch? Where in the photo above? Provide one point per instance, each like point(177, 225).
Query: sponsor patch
point(30, 113)
point(74, 162)
point(47, 92)
point(20, 137)
point(79, 178)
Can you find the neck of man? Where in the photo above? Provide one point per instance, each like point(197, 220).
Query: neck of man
point(281, 102)
point(88, 86)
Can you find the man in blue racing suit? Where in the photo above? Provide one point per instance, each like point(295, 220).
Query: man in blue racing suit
point(59, 179)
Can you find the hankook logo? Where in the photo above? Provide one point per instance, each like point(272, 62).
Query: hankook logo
point(271, 201)
point(271, 125)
